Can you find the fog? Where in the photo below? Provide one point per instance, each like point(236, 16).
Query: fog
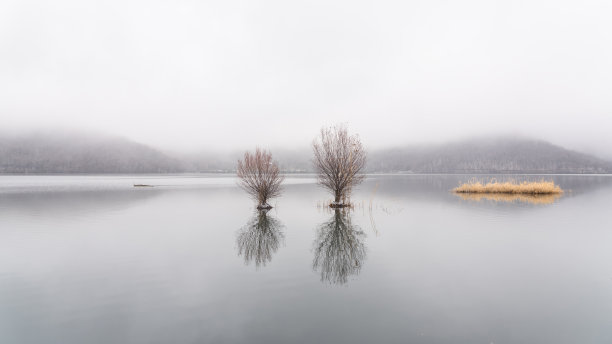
point(225, 75)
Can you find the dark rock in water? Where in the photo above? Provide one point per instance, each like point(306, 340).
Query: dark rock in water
point(339, 205)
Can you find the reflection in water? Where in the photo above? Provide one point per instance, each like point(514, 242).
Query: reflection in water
point(260, 238)
point(531, 199)
point(339, 248)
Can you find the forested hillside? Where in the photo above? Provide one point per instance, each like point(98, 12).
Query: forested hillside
point(79, 153)
point(487, 156)
point(70, 153)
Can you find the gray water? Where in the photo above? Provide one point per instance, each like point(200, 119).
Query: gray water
point(92, 259)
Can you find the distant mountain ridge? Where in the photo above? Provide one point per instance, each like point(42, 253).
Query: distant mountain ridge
point(78, 153)
point(504, 155)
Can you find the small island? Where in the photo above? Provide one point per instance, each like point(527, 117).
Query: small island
point(510, 187)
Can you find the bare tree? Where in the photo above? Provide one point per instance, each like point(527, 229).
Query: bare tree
point(260, 176)
point(339, 159)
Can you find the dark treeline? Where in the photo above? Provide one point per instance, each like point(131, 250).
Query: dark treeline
point(506, 155)
point(99, 154)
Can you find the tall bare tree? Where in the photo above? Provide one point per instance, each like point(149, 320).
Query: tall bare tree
point(260, 176)
point(339, 159)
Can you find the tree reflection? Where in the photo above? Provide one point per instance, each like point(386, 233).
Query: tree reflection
point(339, 248)
point(260, 238)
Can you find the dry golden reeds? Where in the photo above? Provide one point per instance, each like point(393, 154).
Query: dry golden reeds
point(509, 187)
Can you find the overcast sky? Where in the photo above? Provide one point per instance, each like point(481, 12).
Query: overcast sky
point(234, 74)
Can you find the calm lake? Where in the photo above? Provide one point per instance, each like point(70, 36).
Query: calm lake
point(92, 259)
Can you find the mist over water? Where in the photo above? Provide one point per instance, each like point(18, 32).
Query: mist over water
point(232, 75)
point(121, 125)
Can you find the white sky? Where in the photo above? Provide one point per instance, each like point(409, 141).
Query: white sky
point(234, 74)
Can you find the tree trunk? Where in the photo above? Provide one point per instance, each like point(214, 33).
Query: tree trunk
point(264, 206)
point(337, 203)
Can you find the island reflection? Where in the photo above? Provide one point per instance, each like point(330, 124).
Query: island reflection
point(260, 238)
point(339, 250)
point(511, 198)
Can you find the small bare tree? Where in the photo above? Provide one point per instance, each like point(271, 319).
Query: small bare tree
point(339, 160)
point(260, 176)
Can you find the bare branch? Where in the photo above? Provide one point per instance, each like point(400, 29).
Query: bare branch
point(260, 176)
point(339, 160)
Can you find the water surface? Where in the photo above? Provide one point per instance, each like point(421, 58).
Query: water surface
point(91, 259)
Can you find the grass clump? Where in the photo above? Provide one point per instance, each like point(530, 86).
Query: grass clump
point(509, 187)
